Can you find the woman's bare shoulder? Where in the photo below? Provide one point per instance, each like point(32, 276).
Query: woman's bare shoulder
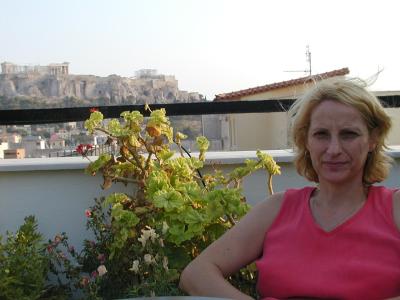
point(265, 212)
point(272, 202)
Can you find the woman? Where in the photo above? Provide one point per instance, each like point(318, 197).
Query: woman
point(339, 240)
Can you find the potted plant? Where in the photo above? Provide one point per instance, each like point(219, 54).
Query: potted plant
point(144, 239)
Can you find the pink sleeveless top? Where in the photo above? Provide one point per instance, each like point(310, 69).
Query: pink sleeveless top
point(359, 259)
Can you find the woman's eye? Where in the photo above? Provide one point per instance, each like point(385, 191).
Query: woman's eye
point(320, 134)
point(349, 134)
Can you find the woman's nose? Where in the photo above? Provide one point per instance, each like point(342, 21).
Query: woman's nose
point(334, 146)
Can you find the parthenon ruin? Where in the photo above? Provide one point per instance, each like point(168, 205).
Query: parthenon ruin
point(51, 69)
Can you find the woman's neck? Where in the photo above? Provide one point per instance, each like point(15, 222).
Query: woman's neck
point(345, 194)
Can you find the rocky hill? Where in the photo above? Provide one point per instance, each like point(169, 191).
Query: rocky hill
point(33, 90)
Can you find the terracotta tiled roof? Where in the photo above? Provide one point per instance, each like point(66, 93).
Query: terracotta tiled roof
point(278, 85)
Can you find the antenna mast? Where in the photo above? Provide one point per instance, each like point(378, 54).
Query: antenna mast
point(308, 59)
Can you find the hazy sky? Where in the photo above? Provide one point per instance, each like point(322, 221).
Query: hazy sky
point(211, 46)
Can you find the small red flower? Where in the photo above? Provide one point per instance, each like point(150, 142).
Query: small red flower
point(101, 257)
point(82, 149)
point(93, 109)
point(79, 149)
point(94, 274)
point(88, 213)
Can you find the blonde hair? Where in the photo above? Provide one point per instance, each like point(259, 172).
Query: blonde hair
point(351, 92)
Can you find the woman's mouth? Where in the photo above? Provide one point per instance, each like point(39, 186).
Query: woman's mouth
point(334, 164)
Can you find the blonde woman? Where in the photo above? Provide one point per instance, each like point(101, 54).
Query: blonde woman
point(338, 239)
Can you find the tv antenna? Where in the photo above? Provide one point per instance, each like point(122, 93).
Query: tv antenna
point(308, 60)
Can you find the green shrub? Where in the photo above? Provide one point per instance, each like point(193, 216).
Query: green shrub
point(25, 264)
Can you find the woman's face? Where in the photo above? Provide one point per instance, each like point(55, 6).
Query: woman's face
point(338, 142)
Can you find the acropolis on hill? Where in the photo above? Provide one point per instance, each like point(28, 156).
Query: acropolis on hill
point(54, 83)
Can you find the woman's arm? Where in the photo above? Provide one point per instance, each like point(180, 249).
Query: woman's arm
point(396, 208)
point(241, 245)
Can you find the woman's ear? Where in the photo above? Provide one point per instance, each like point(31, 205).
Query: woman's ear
point(373, 139)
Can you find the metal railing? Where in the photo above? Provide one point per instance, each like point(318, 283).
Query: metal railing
point(60, 115)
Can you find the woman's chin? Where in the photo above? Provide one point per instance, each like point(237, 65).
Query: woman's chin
point(335, 177)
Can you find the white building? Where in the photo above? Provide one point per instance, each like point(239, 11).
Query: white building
point(3, 146)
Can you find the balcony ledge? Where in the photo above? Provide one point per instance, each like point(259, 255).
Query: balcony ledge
point(76, 163)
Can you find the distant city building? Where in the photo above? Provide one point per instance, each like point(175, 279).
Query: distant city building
point(156, 81)
point(14, 153)
point(394, 113)
point(33, 143)
point(3, 146)
point(99, 139)
point(55, 142)
point(64, 134)
point(13, 138)
point(71, 125)
point(146, 73)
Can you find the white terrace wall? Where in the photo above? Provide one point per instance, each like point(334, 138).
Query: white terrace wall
point(57, 191)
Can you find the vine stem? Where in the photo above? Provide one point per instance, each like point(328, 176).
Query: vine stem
point(271, 191)
point(87, 157)
point(126, 179)
point(136, 158)
point(180, 148)
point(146, 167)
point(130, 160)
point(105, 131)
